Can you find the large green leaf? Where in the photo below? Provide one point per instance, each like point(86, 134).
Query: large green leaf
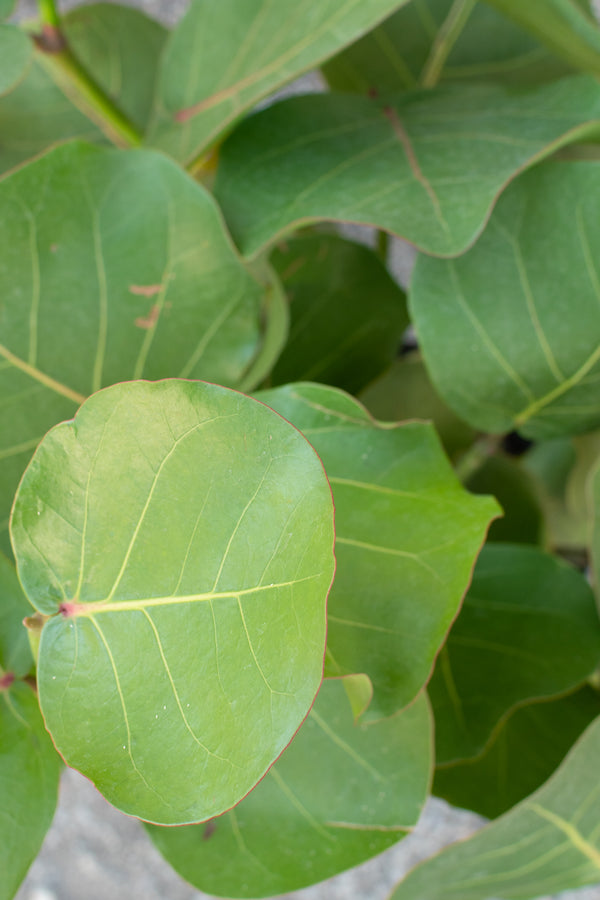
point(222, 58)
point(548, 843)
point(347, 313)
point(441, 40)
point(15, 655)
point(177, 534)
point(405, 392)
point(525, 751)
point(407, 535)
point(516, 639)
point(425, 165)
point(15, 56)
point(340, 794)
point(139, 280)
point(564, 25)
point(29, 773)
point(511, 330)
point(121, 49)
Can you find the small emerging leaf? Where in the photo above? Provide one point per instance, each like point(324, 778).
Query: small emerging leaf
point(179, 535)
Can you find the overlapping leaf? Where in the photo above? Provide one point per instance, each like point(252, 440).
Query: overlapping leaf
point(522, 639)
point(347, 314)
point(407, 535)
point(548, 843)
point(339, 794)
point(514, 489)
point(525, 751)
point(15, 56)
point(440, 40)
point(222, 58)
point(426, 165)
point(511, 330)
point(29, 773)
point(566, 26)
point(139, 280)
point(179, 536)
point(15, 656)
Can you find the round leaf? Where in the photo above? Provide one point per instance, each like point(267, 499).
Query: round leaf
point(511, 330)
point(179, 536)
point(340, 794)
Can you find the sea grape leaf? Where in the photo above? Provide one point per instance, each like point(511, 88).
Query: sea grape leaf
point(523, 640)
point(276, 325)
point(524, 752)
point(566, 26)
point(425, 165)
point(511, 330)
point(177, 534)
point(121, 49)
point(15, 655)
point(548, 843)
point(29, 773)
point(338, 795)
point(6, 8)
point(35, 115)
point(139, 280)
point(550, 464)
point(247, 50)
point(513, 487)
point(433, 41)
point(347, 313)
point(405, 392)
point(594, 492)
point(407, 535)
point(15, 54)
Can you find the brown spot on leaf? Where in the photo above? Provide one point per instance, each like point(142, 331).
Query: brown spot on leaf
point(209, 830)
point(150, 320)
point(53, 248)
point(6, 681)
point(145, 290)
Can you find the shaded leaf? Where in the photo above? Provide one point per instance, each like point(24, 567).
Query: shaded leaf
point(178, 534)
point(520, 637)
point(29, 773)
point(407, 535)
point(405, 392)
point(445, 41)
point(276, 322)
point(511, 330)
point(524, 752)
point(550, 464)
point(15, 53)
point(425, 165)
point(339, 794)
point(548, 843)
point(514, 489)
point(565, 26)
point(121, 49)
point(248, 50)
point(142, 271)
point(594, 496)
point(347, 313)
point(15, 655)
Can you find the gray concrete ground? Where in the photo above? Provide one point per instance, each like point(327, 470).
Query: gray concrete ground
point(93, 852)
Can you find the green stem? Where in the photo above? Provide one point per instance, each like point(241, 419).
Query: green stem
point(477, 454)
point(77, 84)
point(383, 246)
point(446, 38)
point(49, 14)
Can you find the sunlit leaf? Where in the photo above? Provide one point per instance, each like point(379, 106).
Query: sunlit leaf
point(347, 313)
point(248, 49)
point(407, 535)
point(511, 330)
point(528, 629)
point(425, 165)
point(547, 844)
point(139, 280)
point(29, 772)
point(440, 40)
point(524, 752)
point(177, 534)
point(339, 794)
